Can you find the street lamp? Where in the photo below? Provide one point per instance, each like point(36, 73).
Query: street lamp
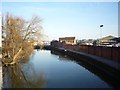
point(100, 34)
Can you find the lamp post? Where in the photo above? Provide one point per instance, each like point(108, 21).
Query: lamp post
point(100, 34)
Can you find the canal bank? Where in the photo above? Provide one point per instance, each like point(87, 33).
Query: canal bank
point(108, 68)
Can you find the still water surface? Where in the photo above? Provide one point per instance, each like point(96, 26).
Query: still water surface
point(48, 70)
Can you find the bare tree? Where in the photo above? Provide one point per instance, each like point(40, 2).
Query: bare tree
point(18, 36)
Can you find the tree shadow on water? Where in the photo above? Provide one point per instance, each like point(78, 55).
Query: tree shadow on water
point(15, 77)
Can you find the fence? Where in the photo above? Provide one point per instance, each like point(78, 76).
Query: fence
point(112, 53)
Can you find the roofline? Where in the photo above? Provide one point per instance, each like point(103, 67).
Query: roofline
point(66, 37)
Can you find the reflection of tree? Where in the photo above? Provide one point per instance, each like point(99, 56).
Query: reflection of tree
point(35, 80)
point(15, 77)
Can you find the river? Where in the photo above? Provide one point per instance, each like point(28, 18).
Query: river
point(46, 69)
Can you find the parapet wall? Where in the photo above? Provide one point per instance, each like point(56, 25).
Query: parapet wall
point(112, 53)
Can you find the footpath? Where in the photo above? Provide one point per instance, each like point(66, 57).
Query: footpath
point(111, 63)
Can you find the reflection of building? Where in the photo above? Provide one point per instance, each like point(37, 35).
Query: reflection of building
point(67, 40)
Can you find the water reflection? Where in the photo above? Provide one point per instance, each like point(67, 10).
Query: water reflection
point(20, 77)
point(13, 77)
point(35, 80)
point(96, 71)
point(51, 70)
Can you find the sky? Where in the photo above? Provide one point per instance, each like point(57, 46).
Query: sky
point(64, 19)
point(59, 0)
point(119, 19)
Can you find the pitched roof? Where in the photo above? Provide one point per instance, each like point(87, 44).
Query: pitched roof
point(107, 37)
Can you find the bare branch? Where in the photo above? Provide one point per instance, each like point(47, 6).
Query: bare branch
point(17, 33)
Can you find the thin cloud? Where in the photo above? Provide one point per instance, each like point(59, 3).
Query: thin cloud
point(60, 0)
point(41, 8)
point(32, 8)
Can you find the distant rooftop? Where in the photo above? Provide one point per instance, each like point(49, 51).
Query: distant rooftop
point(67, 38)
point(108, 37)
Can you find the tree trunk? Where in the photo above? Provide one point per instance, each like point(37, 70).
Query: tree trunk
point(16, 55)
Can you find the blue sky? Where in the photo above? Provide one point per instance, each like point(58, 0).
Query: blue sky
point(61, 19)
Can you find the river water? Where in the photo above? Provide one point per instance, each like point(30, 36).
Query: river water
point(46, 69)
